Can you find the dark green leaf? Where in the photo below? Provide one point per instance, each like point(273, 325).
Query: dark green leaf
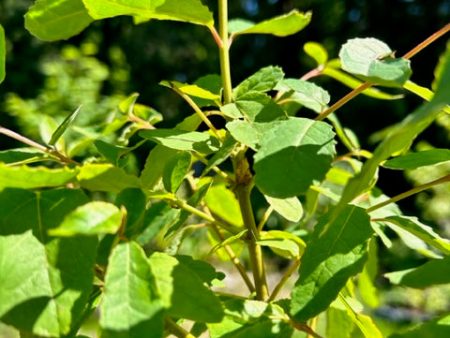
point(2, 54)
point(93, 218)
point(433, 329)
point(105, 177)
point(180, 287)
point(34, 177)
point(262, 81)
point(131, 305)
point(335, 252)
point(204, 270)
point(374, 60)
point(175, 171)
point(51, 20)
point(221, 155)
point(20, 155)
point(259, 107)
point(434, 272)
point(420, 159)
point(63, 127)
point(66, 274)
point(134, 201)
point(306, 149)
point(282, 25)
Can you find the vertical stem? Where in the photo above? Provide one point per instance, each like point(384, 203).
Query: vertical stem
point(224, 52)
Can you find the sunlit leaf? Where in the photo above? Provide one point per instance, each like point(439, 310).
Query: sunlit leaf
point(419, 159)
point(175, 171)
point(289, 208)
point(224, 204)
point(316, 51)
point(262, 81)
point(63, 127)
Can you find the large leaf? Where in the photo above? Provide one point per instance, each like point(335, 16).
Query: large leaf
point(57, 19)
point(131, 305)
point(372, 59)
point(282, 25)
point(63, 268)
point(286, 166)
point(187, 10)
point(436, 328)
point(434, 272)
point(34, 177)
point(401, 137)
point(180, 288)
point(2, 54)
point(420, 159)
point(336, 251)
point(93, 218)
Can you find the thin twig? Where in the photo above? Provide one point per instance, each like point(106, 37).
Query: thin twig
point(284, 279)
point(176, 329)
point(265, 218)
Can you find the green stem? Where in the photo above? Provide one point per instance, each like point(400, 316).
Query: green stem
point(224, 49)
point(408, 193)
point(284, 279)
point(177, 330)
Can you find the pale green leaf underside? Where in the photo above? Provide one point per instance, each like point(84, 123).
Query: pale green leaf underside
point(36, 177)
point(283, 25)
point(131, 306)
point(52, 20)
point(372, 59)
point(336, 252)
point(289, 208)
point(90, 219)
point(2, 54)
point(192, 11)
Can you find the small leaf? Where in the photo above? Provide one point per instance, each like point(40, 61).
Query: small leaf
point(434, 272)
point(335, 252)
point(262, 81)
point(134, 201)
point(317, 52)
point(94, 218)
point(221, 155)
point(283, 243)
point(2, 54)
point(307, 149)
point(224, 204)
point(175, 171)
point(51, 20)
point(63, 127)
point(420, 159)
point(105, 177)
point(231, 110)
point(131, 305)
point(182, 140)
point(259, 107)
point(282, 25)
point(34, 177)
point(191, 90)
point(180, 287)
point(289, 208)
point(372, 59)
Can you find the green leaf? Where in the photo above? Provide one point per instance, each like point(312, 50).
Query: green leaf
point(282, 25)
point(335, 252)
point(175, 171)
point(316, 51)
point(306, 149)
point(249, 134)
point(134, 201)
point(434, 272)
point(204, 270)
point(221, 155)
point(191, 90)
point(18, 155)
point(289, 208)
point(52, 20)
point(113, 153)
point(339, 323)
point(420, 159)
point(259, 107)
point(305, 93)
point(34, 177)
point(262, 81)
point(373, 60)
point(180, 287)
point(105, 177)
point(401, 137)
point(436, 328)
point(231, 110)
point(366, 280)
point(182, 140)
point(192, 11)
point(63, 127)
point(223, 203)
point(420, 230)
point(2, 54)
point(131, 305)
point(55, 294)
point(283, 243)
point(94, 218)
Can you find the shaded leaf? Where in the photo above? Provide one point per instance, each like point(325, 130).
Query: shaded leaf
point(105, 177)
point(262, 81)
point(221, 155)
point(282, 25)
point(180, 287)
point(93, 218)
point(2, 54)
point(420, 159)
point(259, 107)
point(52, 20)
point(335, 252)
point(436, 328)
point(175, 171)
point(20, 155)
point(134, 200)
point(34, 177)
point(307, 149)
point(374, 60)
point(204, 270)
point(131, 306)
